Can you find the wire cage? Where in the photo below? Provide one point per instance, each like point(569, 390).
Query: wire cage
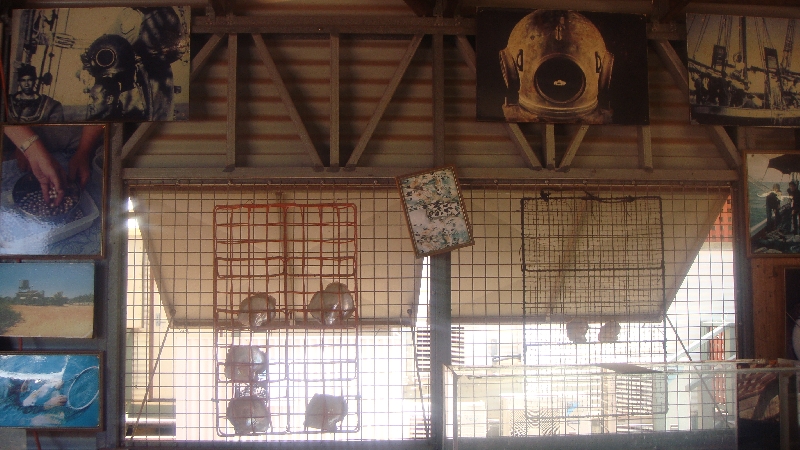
point(286, 319)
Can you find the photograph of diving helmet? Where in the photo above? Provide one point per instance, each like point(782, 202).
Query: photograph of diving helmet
point(560, 66)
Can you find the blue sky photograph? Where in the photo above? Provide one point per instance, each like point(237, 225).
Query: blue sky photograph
point(72, 279)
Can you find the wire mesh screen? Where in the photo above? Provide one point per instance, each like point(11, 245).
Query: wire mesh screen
point(184, 311)
point(280, 266)
point(593, 258)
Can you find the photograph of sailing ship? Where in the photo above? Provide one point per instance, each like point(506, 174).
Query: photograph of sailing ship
point(773, 203)
point(742, 70)
point(99, 64)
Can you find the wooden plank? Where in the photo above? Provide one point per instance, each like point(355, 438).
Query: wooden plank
point(465, 48)
point(438, 100)
point(275, 76)
point(680, 76)
point(388, 93)
point(725, 145)
point(323, 25)
point(146, 128)
point(577, 175)
point(572, 149)
point(549, 145)
point(522, 144)
point(230, 135)
point(645, 138)
point(512, 129)
point(334, 102)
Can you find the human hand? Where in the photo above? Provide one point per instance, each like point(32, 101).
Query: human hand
point(79, 170)
point(56, 400)
point(48, 172)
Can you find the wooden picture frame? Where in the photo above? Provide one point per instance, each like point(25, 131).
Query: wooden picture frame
point(75, 227)
point(51, 390)
point(434, 211)
point(47, 299)
point(770, 228)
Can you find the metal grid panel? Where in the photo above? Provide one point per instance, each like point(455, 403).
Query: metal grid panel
point(610, 399)
point(593, 258)
point(176, 386)
point(172, 365)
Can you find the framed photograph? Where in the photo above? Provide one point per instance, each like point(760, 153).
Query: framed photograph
point(435, 211)
point(106, 64)
point(52, 191)
point(746, 79)
point(47, 299)
point(50, 390)
point(561, 66)
point(773, 203)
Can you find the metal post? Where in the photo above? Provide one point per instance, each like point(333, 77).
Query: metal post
point(440, 317)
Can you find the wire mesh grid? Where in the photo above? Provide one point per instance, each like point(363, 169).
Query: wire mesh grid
point(174, 365)
point(185, 315)
point(598, 399)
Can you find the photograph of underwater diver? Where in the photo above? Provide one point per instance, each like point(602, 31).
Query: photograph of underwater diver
point(52, 190)
point(66, 67)
point(44, 390)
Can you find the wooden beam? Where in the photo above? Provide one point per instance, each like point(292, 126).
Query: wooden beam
point(725, 145)
point(512, 129)
point(388, 93)
point(522, 144)
point(549, 145)
point(645, 138)
point(146, 128)
point(334, 102)
point(368, 174)
point(230, 138)
point(572, 149)
point(275, 76)
point(325, 25)
point(680, 76)
point(422, 8)
point(438, 101)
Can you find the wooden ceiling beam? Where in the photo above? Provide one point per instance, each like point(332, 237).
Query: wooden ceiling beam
point(388, 93)
point(283, 93)
point(324, 26)
point(422, 8)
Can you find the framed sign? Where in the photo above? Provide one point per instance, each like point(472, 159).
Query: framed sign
point(105, 64)
point(773, 203)
point(50, 390)
point(435, 212)
point(52, 194)
point(47, 299)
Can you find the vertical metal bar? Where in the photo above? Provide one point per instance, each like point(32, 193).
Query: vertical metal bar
point(114, 330)
point(233, 50)
point(438, 100)
point(743, 288)
point(440, 320)
point(334, 101)
point(787, 386)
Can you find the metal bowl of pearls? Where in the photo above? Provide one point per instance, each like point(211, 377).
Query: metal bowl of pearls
point(332, 306)
point(257, 310)
point(28, 198)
